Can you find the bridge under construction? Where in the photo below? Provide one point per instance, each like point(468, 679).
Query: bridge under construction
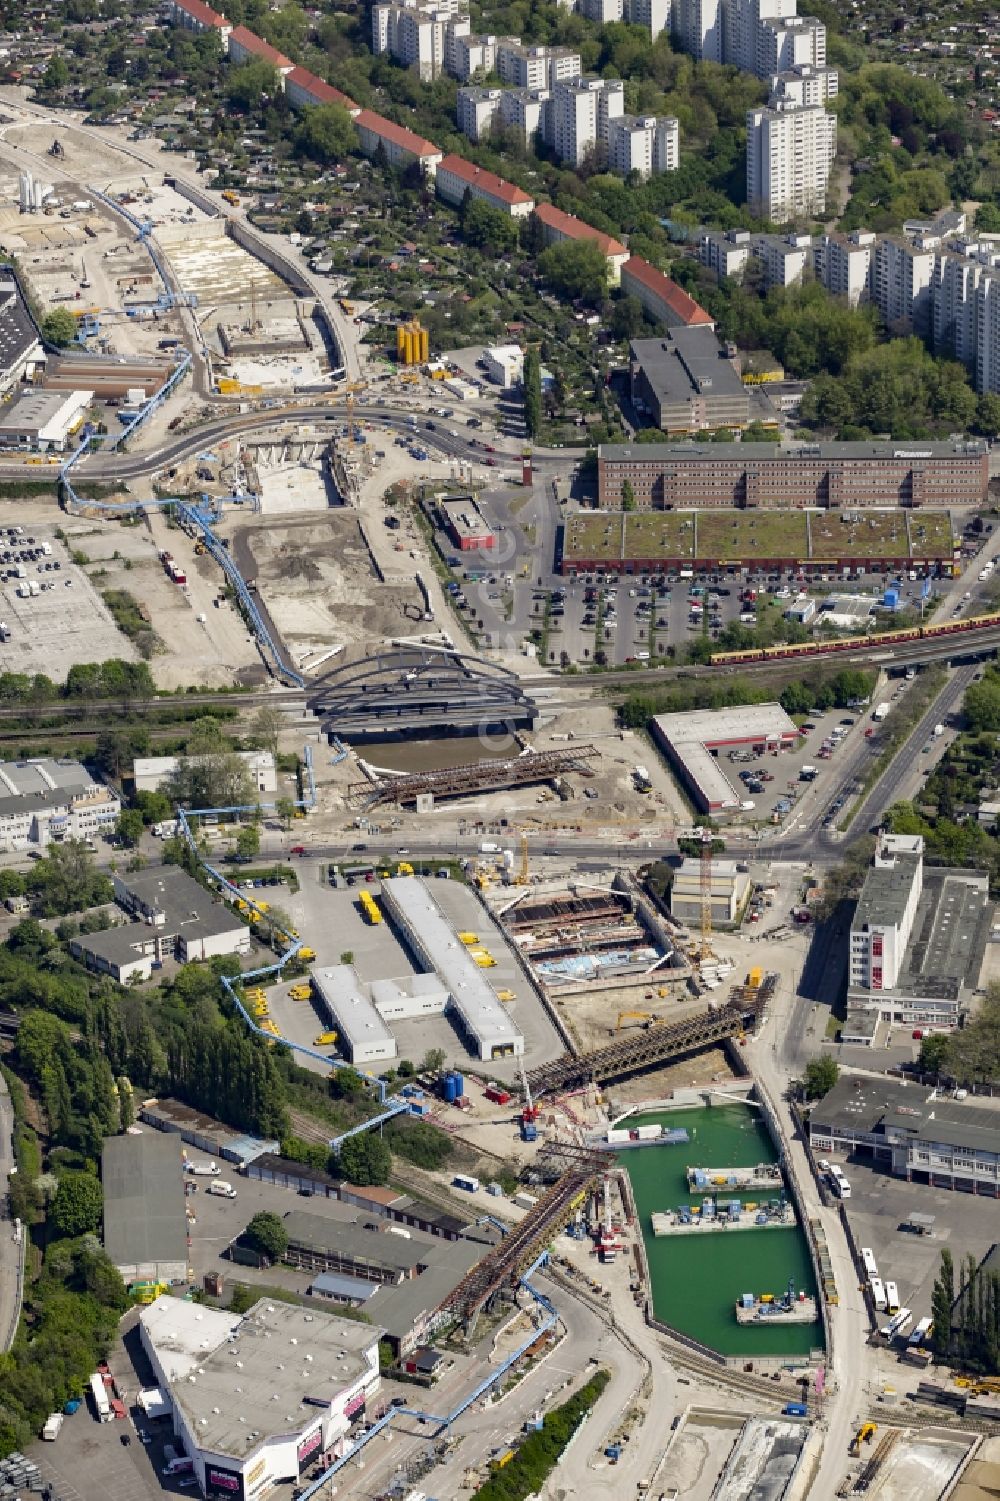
point(475, 777)
point(659, 1044)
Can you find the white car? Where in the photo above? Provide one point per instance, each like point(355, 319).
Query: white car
point(748, 806)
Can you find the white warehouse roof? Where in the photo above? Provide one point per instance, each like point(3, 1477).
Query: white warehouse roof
point(353, 1014)
point(691, 738)
point(436, 943)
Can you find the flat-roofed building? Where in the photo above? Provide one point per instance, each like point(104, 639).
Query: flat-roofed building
point(221, 1371)
point(687, 383)
point(465, 523)
point(729, 887)
point(44, 801)
point(691, 743)
point(44, 420)
point(150, 773)
point(145, 1226)
point(910, 1131)
point(828, 475)
point(843, 264)
point(477, 110)
point(725, 254)
point(362, 1035)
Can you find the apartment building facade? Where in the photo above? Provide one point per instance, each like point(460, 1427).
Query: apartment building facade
point(643, 144)
point(790, 150)
point(557, 225)
point(524, 67)
point(581, 112)
point(455, 177)
point(843, 264)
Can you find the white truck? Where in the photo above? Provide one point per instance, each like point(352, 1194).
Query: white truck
point(203, 1169)
point(879, 712)
point(221, 1189)
point(938, 731)
point(53, 1423)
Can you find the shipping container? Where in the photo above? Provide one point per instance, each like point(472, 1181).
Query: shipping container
point(468, 1185)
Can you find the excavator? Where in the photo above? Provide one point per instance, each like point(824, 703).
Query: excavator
point(646, 1018)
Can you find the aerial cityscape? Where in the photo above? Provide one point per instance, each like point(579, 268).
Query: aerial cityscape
point(500, 719)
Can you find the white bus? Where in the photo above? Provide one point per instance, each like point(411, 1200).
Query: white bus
point(921, 1333)
point(99, 1393)
point(839, 1183)
point(892, 1297)
point(878, 1295)
point(898, 1324)
point(868, 1258)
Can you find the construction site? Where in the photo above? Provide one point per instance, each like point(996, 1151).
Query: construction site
point(423, 789)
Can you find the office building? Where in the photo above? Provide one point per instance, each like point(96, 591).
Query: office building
point(661, 297)
point(692, 741)
point(401, 146)
point(697, 29)
point(901, 280)
point(726, 254)
point(45, 802)
point(150, 773)
point(910, 1131)
point(917, 941)
point(883, 918)
point(145, 1227)
point(557, 226)
point(173, 918)
point(790, 151)
point(43, 421)
point(804, 84)
point(686, 382)
point(580, 115)
point(221, 1372)
point(831, 476)
point(455, 177)
point(643, 144)
point(535, 67)
point(843, 264)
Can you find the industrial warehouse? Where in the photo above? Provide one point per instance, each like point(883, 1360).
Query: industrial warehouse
point(692, 742)
point(451, 981)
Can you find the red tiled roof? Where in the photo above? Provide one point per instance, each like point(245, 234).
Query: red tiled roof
point(199, 11)
point(575, 229)
point(255, 44)
point(496, 186)
point(397, 134)
point(323, 93)
point(683, 307)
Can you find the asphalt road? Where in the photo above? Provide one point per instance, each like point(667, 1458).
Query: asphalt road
point(10, 1250)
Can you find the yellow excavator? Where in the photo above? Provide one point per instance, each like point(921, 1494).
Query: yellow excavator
point(645, 1017)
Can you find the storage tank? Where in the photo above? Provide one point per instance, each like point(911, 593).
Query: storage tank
point(451, 1094)
point(423, 345)
point(400, 341)
point(459, 1084)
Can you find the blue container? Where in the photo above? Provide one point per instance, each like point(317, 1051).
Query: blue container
point(459, 1085)
point(450, 1089)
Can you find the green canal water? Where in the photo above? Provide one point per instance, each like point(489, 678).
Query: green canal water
point(696, 1279)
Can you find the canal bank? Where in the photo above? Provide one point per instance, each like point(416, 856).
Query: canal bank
point(694, 1282)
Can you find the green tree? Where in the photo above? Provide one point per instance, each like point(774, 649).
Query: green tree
point(265, 730)
point(433, 1061)
point(820, 1075)
point(327, 133)
point(364, 1160)
point(248, 841)
point(973, 1054)
point(532, 382)
point(628, 496)
point(934, 1053)
point(59, 326)
point(285, 809)
point(346, 1084)
point(942, 1299)
point(77, 1205)
point(126, 1103)
point(486, 227)
point(982, 705)
point(56, 75)
point(267, 1234)
point(130, 827)
point(576, 269)
point(247, 84)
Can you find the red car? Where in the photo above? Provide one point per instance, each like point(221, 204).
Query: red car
point(492, 463)
point(489, 448)
point(297, 849)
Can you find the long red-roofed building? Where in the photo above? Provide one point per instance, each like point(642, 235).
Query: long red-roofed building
point(401, 146)
point(246, 46)
point(455, 177)
point(558, 226)
point(195, 15)
point(303, 88)
point(662, 298)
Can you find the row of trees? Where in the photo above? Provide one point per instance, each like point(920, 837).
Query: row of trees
point(115, 679)
point(538, 1455)
point(967, 1324)
point(838, 691)
point(970, 1055)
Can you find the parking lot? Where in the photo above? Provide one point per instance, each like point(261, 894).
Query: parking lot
point(879, 1206)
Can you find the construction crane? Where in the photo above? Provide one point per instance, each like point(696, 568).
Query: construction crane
point(523, 877)
point(529, 1114)
point(702, 950)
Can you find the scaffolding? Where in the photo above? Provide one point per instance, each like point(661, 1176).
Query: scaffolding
point(476, 777)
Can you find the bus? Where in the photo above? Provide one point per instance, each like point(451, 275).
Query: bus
point(99, 1394)
point(868, 1259)
point(878, 1295)
point(892, 1297)
point(921, 1333)
point(898, 1324)
point(839, 1183)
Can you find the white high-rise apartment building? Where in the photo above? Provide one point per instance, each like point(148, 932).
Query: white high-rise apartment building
point(789, 154)
point(793, 41)
point(901, 283)
point(654, 15)
point(887, 906)
point(805, 84)
point(526, 110)
point(643, 144)
point(601, 11)
point(535, 67)
point(843, 264)
point(955, 303)
point(476, 111)
point(988, 333)
point(581, 112)
point(423, 39)
point(697, 27)
point(742, 20)
point(472, 55)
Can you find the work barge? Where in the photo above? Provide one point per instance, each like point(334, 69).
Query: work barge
point(767, 1309)
point(727, 1214)
point(762, 1175)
